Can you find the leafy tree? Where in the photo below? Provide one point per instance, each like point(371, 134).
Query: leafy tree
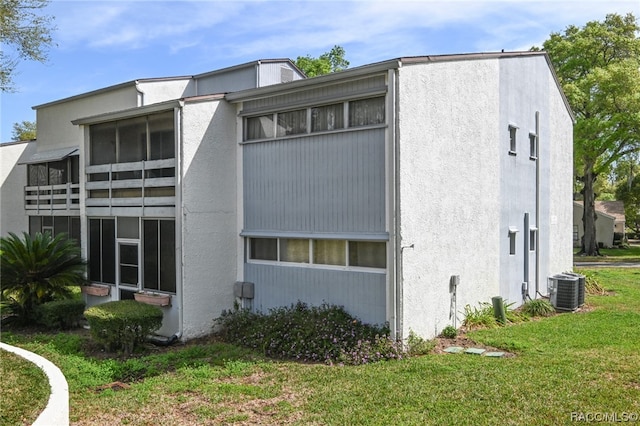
point(38, 269)
point(24, 31)
point(597, 66)
point(24, 131)
point(328, 62)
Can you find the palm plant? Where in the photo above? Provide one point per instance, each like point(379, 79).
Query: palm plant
point(38, 269)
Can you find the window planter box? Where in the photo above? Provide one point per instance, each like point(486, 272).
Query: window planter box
point(153, 298)
point(96, 290)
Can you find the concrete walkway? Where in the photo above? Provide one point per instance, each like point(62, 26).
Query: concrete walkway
point(56, 413)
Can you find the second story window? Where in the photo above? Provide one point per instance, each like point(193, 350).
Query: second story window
point(133, 139)
point(54, 172)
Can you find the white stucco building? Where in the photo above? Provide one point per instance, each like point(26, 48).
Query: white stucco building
point(375, 188)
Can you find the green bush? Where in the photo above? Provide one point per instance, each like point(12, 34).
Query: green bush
point(479, 317)
point(416, 345)
point(324, 333)
point(538, 308)
point(123, 325)
point(449, 332)
point(38, 269)
point(60, 314)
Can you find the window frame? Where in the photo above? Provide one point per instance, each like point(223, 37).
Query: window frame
point(533, 146)
point(312, 259)
point(273, 116)
point(513, 139)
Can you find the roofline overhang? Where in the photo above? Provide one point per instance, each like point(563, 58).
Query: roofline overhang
point(133, 84)
point(327, 79)
point(128, 113)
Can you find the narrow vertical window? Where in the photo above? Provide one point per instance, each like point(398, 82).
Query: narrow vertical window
point(532, 239)
point(513, 130)
point(512, 241)
point(533, 146)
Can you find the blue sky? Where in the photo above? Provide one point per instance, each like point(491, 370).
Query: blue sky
point(102, 43)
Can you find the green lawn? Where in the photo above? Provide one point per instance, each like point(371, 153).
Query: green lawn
point(24, 392)
point(630, 254)
point(581, 363)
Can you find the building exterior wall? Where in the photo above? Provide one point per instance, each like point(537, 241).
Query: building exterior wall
point(449, 190)
point(160, 90)
point(55, 129)
point(327, 185)
point(208, 213)
point(13, 179)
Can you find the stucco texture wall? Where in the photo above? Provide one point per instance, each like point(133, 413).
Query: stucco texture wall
point(13, 179)
point(208, 213)
point(449, 189)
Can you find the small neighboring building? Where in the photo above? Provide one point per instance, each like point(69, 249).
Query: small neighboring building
point(402, 190)
point(610, 225)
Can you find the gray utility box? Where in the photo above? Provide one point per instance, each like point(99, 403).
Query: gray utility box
point(566, 291)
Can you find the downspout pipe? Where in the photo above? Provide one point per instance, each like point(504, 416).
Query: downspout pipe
point(539, 228)
point(398, 281)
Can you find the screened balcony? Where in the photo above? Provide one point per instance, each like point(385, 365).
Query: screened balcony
point(54, 184)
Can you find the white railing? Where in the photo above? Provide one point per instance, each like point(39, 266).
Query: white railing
point(141, 191)
point(42, 198)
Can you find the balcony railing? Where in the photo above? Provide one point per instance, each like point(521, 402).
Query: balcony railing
point(138, 184)
point(46, 198)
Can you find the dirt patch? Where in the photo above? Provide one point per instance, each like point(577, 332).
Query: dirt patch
point(462, 341)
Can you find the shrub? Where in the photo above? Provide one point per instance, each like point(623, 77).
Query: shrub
point(416, 345)
point(449, 332)
point(124, 324)
point(324, 333)
point(38, 269)
point(538, 308)
point(592, 286)
point(479, 317)
point(61, 314)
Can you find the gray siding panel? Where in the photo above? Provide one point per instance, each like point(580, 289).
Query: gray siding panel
point(362, 294)
point(330, 183)
point(323, 94)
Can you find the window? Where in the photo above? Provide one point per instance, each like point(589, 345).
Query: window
point(366, 112)
point(54, 172)
point(371, 254)
point(292, 123)
point(359, 254)
point(55, 225)
point(103, 143)
point(132, 140)
point(263, 249)
point(362, 112)
point(159, 267)
point(128, 263)
point(294, 250)
point(512, 241)
point(161, 137)
point(329, 117)
point(512, 139)
point(144, 254)
point(329, 252)
point(575, 232)
point(102, 250)
point(533, 146)
point(259, 127)
point(532, 239)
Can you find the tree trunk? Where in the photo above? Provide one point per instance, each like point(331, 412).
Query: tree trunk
point(589, 217)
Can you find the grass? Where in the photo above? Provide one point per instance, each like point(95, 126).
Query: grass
point(24, 390)
point(569, 363)
point(630, 254)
